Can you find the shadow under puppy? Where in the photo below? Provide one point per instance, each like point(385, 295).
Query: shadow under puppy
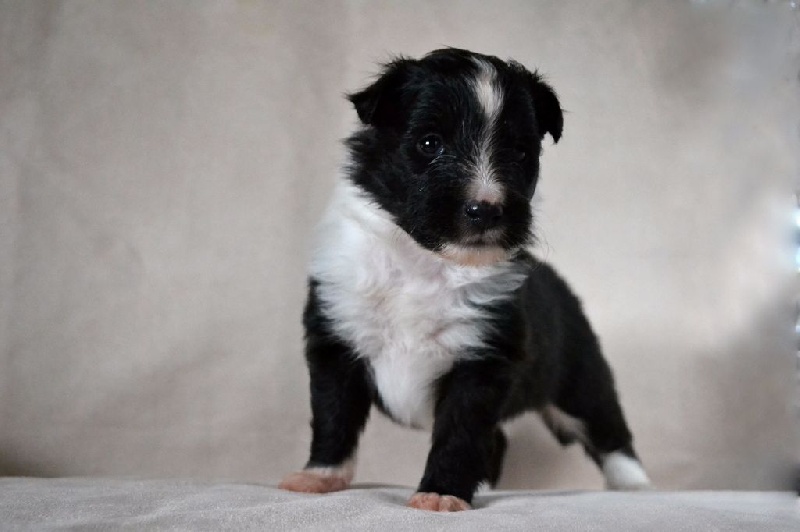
point(423, 299)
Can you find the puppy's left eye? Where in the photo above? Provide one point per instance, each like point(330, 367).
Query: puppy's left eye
point(430, 145)
point(518, 154)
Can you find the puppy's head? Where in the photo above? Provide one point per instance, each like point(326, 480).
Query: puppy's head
point(450, 148)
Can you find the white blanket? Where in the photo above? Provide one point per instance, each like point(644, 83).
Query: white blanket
point(79, 503)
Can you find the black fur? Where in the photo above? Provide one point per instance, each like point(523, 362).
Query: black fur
point(340, 390)
point(540, 349)
point(405, 103)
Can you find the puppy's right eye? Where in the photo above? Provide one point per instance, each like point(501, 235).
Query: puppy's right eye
point(430, 145)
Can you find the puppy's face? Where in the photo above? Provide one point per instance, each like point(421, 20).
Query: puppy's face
point(450, 149)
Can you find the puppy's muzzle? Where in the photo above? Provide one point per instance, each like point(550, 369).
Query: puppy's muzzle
point(482, 215)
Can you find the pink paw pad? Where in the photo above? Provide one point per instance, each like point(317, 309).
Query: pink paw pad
point(309, 482)
point(437, 503)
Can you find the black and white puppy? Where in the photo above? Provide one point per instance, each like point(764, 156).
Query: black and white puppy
point(423, 299)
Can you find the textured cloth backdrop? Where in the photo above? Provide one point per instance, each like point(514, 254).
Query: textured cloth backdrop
point(162, 165)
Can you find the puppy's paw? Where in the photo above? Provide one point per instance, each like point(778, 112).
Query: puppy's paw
point(312, 482)
point(437, 503)
point(624, 473)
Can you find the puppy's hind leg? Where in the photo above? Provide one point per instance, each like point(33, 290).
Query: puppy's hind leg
point(623, 471)
point(588, 410)
point(620, 467)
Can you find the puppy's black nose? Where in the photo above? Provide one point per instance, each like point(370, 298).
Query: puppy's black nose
point(483, 214)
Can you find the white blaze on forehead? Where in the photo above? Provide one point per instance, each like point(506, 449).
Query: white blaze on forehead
point(485, 186)
point(487, 90)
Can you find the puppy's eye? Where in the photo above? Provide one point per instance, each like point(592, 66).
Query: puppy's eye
point(518, 154)
point(430, 145)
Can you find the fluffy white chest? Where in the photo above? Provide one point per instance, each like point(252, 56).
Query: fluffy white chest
point(411, 329)
point(410, 313)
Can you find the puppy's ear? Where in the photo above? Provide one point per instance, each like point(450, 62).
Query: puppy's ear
point(384, 102)
point(546, 105)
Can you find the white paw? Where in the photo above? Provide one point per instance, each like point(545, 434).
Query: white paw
point(624, 473)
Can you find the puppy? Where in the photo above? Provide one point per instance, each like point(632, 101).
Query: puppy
point(423, 299)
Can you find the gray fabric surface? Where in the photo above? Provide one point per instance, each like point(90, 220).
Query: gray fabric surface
point(42, 504)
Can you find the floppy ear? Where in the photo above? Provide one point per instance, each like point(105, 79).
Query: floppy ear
point(547, 108)
point(384, 102)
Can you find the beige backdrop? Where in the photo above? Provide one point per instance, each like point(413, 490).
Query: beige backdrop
point(163, 163)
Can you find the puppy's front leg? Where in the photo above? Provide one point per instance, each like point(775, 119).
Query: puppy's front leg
point(340, 403)
point(469, 407)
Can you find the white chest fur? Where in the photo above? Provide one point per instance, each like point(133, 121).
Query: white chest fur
point(409, 312)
